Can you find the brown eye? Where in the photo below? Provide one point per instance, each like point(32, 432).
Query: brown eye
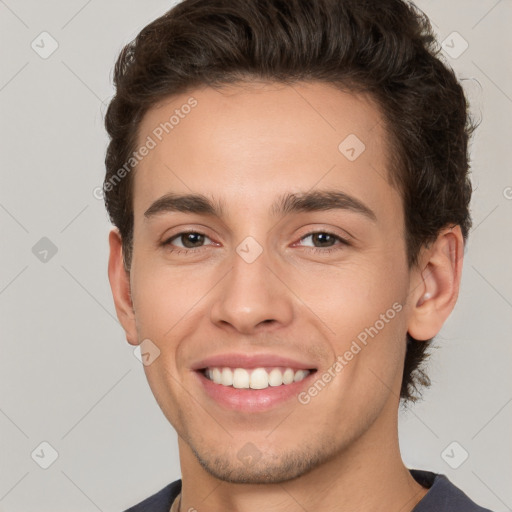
point(323, 239)
point(191, 240)
point(187, 240)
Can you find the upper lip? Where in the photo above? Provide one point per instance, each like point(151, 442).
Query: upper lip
point(234, 360)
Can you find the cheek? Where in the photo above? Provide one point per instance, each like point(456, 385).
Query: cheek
point(164, 296)
point(355, 295)
point(362, 305)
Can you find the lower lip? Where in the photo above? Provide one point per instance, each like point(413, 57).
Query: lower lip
point(252, 400)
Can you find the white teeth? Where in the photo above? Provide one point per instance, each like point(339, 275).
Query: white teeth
point(217, 376)
point(275, 377)
point(258, 378)
point(300, 375)
point(288, 376)
point(240, 378)
point(227, 377)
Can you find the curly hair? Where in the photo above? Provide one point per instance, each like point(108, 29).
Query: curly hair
point(385, 48)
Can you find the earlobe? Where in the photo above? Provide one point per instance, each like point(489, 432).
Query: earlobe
point(434, 292)
point(120, 284)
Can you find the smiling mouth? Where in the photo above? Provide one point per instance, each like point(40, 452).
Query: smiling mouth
point(255, 378)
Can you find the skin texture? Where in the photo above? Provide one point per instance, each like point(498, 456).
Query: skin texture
point(245, 146)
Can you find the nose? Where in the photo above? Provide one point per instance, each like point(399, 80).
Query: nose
point(252, 297)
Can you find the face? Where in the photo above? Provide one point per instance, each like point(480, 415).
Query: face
point(288, 264)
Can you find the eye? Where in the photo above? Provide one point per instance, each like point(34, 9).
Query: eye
point(193, 241)
point(326, 241)
point(186, 240)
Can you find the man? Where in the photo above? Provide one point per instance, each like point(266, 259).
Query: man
point(289, 185)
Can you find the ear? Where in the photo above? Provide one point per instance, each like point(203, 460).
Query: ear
point(435, 287)
point(120, 284)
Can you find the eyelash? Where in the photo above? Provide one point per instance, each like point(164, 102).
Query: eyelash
point(316, 250)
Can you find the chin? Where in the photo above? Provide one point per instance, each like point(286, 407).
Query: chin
point(250, 466)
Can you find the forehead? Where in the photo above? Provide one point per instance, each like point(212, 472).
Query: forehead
point(247, 142)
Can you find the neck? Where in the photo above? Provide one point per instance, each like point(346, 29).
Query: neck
point(368, 476)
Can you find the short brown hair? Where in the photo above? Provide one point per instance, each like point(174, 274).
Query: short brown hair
point(383, 47)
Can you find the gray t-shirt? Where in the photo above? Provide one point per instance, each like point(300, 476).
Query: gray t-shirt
point(442, 496)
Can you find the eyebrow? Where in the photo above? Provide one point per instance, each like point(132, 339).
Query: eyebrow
point(318, 200)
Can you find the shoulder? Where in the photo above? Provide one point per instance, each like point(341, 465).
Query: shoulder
point(159, 502)
point(442, 495)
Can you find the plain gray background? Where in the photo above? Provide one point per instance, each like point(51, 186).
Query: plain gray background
point(67, 375)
